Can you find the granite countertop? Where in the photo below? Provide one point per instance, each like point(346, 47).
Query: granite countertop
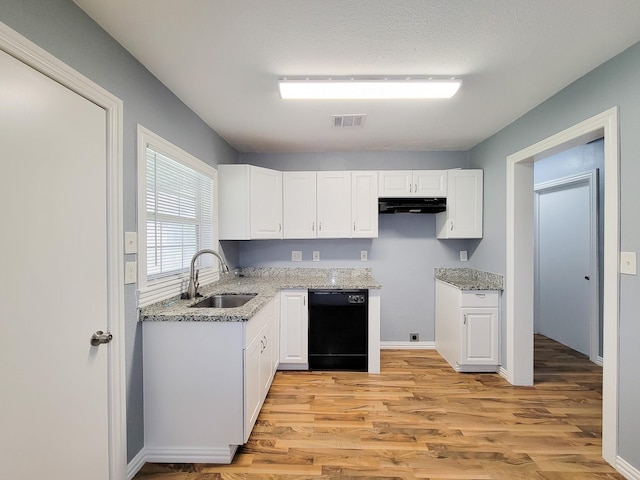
point(469, 279)
point(266, 282)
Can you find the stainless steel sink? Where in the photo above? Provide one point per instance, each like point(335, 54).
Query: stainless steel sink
point(225, 300)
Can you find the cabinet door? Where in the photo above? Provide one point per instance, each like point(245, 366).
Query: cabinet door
point(364, 204)
point(395, 183)
point(266, 361)
point(266, 203)
point(299, 204)
point(252, 385)
point(334, 204)
point(463, 218)
point(294, 325)
point(479, 339)
point(430, 183)
point(275, 335)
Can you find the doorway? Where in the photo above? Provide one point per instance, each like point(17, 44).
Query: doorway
point(566, 302)
point(519, 276)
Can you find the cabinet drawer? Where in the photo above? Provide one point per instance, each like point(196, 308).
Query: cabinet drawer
point(479, 299)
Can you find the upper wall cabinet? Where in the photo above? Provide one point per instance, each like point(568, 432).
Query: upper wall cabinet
point(364, 204)
point(334, 204)
point(330, 204)
point(463, 218)
point(299, 204)
point(412, 183)
point(250, 202)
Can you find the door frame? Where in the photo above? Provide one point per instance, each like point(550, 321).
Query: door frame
point(519, 261)
point(590, 179)
point(39, 59)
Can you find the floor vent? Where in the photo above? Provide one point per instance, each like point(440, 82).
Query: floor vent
point(351, 120)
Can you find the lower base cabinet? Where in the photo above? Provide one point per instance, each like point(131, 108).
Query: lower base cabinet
point(294, 330)
point(467, 328)
point(204, 385)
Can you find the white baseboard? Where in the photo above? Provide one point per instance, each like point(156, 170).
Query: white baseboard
point(136, 463)
point(391, 345)
point(180, 455)
point(503, 373)
point(626, 469)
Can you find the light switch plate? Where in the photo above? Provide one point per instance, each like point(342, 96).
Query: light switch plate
point(364, 255)
point(463, 256)
point(130, 242)
point(316, 256)
point(296, 255)
point(130, 272)
point(628, 263)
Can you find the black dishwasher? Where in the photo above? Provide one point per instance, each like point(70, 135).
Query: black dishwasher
point(338, 330)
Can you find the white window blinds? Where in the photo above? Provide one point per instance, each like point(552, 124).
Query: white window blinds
point(179, 215)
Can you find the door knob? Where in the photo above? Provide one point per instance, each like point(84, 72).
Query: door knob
point(100, 337)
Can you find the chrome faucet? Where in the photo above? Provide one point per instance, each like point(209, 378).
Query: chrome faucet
point(192, 290)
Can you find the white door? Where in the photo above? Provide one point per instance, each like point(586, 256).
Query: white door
point(334, 204)
point(566, 276)
point(299, 204)
point(53, 287)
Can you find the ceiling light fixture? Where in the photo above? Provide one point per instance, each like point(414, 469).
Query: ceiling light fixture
point(358, 89)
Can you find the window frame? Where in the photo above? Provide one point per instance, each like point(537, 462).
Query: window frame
point(149, 292)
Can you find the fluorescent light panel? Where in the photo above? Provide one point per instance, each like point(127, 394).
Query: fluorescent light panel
point(368, 89)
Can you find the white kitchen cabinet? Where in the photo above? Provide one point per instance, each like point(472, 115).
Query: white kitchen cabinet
point(412, 183)
point(204, 385)
point(326, 205)
point(299, 204)
point(364, 204)
point(467, 328)
point(463, 217)
point(294, 330)
point(250, 202)
point(334, 204)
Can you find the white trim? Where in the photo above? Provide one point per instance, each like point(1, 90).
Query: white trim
point(136, 463)
point(176, 284)
point(519, 261)
point(393, 345)
point(29, 53)
point(589, 179)
point(626, 469)
point(191, 455)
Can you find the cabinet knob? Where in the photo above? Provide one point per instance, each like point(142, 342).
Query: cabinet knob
point(354, 226)
point(465, 318)
point(313, 226)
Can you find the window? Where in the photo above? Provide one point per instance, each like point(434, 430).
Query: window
point(176, 217)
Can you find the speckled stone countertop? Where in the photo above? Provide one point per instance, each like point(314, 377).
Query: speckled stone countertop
point(469, 279)
point(266, 282)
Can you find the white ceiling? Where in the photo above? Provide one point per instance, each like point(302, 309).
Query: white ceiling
point(223, 58)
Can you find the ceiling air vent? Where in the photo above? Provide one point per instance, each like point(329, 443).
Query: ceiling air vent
point(351, 120)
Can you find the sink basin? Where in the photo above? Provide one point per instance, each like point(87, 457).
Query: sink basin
point(225, 300)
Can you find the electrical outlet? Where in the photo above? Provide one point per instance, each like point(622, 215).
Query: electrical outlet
point(316, 256)
point(296, 255)
point(363, 255)
point(130, 272)
point(414, 337)
point(463, 256)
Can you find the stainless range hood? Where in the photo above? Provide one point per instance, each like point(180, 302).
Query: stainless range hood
point(412, 205)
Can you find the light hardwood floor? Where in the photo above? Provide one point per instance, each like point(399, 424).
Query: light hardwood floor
point(420, 419)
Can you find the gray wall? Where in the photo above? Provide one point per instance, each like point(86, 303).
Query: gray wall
point(62, 29)
point(403, 256)
point(613, 83)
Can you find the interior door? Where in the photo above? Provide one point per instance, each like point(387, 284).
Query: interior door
point(53, 287)
point(565, 297)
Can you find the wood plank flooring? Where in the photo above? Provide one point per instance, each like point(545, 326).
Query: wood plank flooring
point(420, 419)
